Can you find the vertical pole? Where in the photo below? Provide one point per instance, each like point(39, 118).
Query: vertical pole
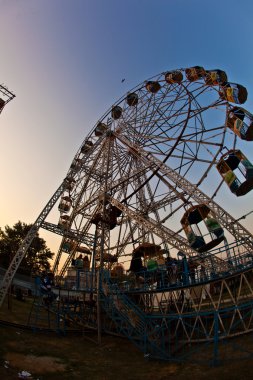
point(100, 275)
point(228, 251)
point(216, 339)
point(95, 282)
point(99, 242)
point(98, 305)
point(103, 231)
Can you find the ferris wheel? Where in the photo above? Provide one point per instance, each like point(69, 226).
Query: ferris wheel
point(150, 172)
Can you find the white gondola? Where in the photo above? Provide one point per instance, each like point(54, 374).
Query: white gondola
point(65, 204)
point(64, 222)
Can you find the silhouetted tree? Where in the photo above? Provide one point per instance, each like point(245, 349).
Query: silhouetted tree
point(37, 256)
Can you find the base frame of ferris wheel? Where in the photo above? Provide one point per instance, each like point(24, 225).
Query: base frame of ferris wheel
point(175, 324)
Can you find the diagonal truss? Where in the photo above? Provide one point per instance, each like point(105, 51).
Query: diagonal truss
point(231, 224)
point(6, 282)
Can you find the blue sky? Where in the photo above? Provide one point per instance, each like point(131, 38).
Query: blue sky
point(65, 59)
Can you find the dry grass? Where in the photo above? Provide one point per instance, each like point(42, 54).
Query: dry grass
point(50, 356)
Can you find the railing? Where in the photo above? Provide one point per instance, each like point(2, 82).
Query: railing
point(165, 277)
point(176, 274)
point(129, 318)
point(181, 274)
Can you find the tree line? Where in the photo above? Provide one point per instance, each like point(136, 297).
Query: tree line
point(38, 256)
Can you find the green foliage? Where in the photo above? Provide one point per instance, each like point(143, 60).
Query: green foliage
point(37, 256)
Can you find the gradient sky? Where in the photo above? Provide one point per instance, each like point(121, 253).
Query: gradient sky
point(65, 59)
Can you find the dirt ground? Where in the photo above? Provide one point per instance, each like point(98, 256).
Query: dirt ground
point(51, 356)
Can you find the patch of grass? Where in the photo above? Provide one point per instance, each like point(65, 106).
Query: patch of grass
point(76, 357)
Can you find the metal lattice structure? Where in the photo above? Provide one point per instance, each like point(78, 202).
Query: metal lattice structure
point(155, 170)
point(5, 96)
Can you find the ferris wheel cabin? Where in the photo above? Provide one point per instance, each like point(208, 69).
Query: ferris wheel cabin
point(153, 87)
point(173, 77)
point(237, 172)
point(233, 92)
point(69, 183)
point(100, 129)
point(64, 222)
point(132, 99)
point(215, 77)
point(240, 122)
point(86, 146)
point(194, 73)
point(65, 204)
point(67, 246)
point(116, 112)
point(201, 228)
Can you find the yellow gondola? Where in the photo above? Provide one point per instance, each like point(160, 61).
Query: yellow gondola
point(233, 92)
point(194, 73)
point(173, 77)
point(241, 123)
point(215, 77)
